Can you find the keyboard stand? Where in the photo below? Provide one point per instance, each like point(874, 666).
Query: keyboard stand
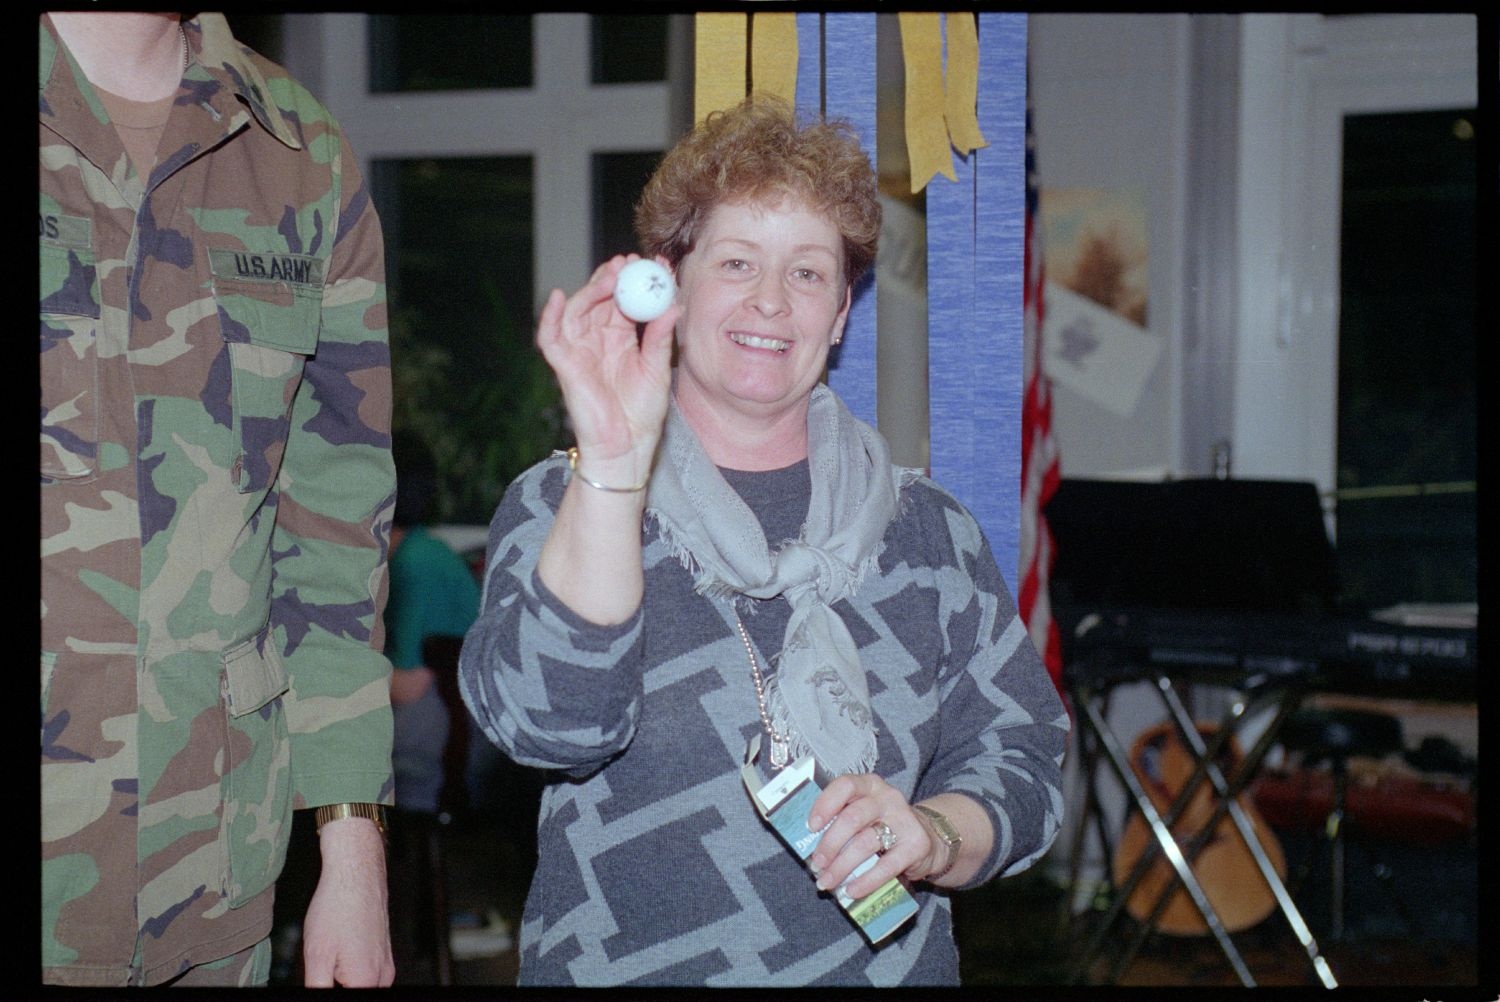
point(1256, 693)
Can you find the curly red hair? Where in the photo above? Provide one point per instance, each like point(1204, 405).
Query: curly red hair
point(757, 151)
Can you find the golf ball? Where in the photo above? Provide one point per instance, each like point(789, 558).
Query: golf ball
point(644, 290)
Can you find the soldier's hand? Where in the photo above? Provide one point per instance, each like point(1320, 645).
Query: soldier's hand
point(346, 936)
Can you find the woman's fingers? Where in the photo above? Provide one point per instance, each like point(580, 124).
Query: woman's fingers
point(857, 804)
point(587, 310)
point(593, 306)
point(614, 384)
point(549, 324)
point(909, 846)
point(848, 802)
point(656, 340)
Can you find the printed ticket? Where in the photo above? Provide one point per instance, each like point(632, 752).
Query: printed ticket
point(786, 802)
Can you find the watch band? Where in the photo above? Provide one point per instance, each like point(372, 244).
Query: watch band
point(946, 833)
point(334, 812)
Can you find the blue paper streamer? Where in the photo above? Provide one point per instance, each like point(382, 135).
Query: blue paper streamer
point(975, 234)
point(954, 384)
point(999, 252)
point(849, 92)
point(810, 62)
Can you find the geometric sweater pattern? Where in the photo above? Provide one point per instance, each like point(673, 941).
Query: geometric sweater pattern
point(654, 866)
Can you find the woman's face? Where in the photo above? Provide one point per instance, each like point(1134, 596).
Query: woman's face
point(763, 297)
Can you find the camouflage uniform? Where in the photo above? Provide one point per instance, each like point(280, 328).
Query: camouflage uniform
point(216, 495)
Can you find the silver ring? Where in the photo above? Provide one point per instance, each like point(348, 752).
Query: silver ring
point(886, 836)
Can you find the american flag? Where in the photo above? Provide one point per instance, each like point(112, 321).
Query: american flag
point(1040, 469)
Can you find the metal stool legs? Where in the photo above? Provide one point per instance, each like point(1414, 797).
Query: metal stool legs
point(1181, 858)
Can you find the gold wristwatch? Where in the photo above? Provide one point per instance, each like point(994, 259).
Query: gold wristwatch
point(946, 834)
point(333, 812)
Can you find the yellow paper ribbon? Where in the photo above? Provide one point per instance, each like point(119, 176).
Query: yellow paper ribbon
point(926, 134)
point(940, 106)
point(963, 84)
point(773, 55)
point(719, 44)
point(940, 113)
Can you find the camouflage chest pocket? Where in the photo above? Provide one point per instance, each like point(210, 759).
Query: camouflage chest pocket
point(70, 350)
point(269, 308)
point(257, 781)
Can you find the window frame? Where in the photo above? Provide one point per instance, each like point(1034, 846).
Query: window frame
point(560, 122)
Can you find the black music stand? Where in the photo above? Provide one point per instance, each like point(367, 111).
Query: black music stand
point(1256, 546)
point(1226, 547)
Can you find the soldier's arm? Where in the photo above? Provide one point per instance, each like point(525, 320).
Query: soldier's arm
point(336, 490)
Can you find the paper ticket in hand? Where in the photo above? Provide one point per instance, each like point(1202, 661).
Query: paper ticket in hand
point(785, 802)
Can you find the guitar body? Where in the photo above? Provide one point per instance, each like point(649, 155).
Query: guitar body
point(1224, 866)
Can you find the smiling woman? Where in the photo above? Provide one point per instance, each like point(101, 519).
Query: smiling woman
point(729, 554)
point(763, 301)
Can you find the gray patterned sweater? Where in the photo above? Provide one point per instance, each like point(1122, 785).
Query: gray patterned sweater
point(655, 868)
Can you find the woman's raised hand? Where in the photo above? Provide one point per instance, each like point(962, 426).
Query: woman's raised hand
point(616, 387)
point(614, 384)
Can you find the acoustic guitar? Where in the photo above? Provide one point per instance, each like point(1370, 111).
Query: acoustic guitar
point(1224, 866)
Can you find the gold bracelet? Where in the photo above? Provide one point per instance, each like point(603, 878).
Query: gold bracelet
point(336, 812)
point(946, 833)
point(596, 485)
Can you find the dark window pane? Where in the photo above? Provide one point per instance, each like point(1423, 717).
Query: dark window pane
point(618, 180)
point(629, 48)
point(1407, 387)
point(262, 32)
point(468, 380)
point(449, 51)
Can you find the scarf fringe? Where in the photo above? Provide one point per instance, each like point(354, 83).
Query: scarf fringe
point(797, 744)
point(684, 556)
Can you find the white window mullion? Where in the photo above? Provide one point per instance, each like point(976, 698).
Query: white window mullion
point(561, 175)
point(561, 121)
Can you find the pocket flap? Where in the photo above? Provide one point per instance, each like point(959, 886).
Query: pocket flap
point(272, 300)
point(254, 674)
point(69, 281)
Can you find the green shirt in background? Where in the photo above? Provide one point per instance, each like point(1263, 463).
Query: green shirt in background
point(432, 593)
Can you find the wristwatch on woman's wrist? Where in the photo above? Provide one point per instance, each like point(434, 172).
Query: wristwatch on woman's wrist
point(946, 833)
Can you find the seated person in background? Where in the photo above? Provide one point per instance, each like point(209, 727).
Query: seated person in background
point(432, 593)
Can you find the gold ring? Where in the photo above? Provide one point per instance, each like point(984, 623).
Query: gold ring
point(887, 837)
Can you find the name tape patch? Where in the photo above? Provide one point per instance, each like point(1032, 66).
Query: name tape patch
point(252, 266)
point(73, 232)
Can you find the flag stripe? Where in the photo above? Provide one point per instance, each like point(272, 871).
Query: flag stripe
point(1041, 469)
